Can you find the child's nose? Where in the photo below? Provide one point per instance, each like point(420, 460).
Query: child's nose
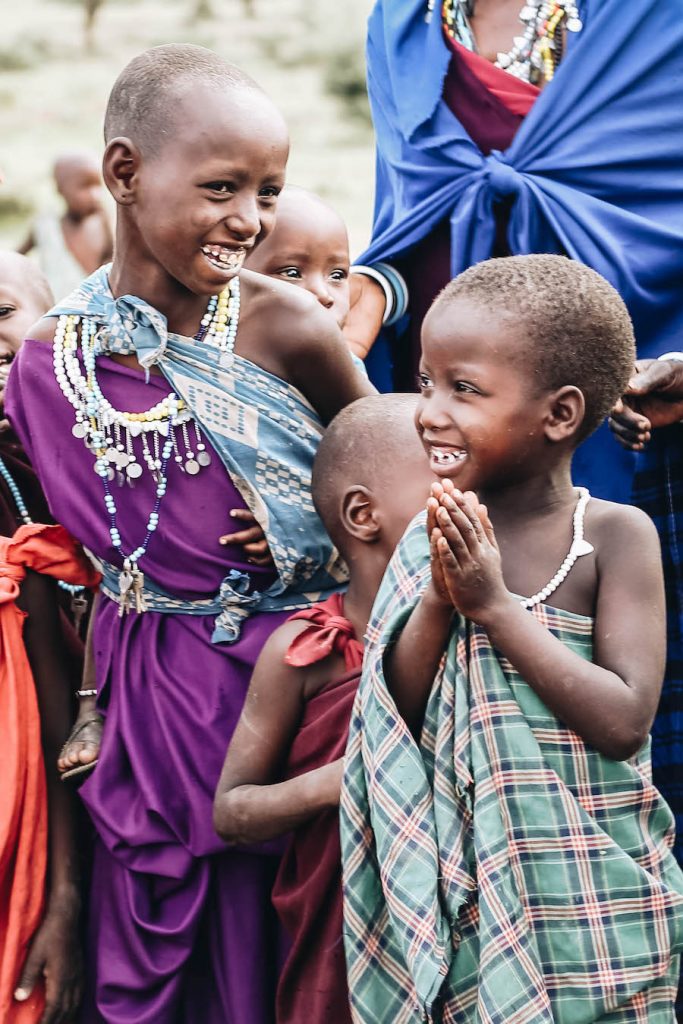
point(243, 218)
point(322, 294)
point(432, 413)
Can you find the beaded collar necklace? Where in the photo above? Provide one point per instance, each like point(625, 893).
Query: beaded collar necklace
point(166, 429)
point(579, 547)
point(537, 51)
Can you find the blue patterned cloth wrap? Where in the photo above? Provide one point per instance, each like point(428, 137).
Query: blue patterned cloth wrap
point(265, 433)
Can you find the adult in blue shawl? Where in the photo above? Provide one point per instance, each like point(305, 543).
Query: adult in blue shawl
point(595, 171)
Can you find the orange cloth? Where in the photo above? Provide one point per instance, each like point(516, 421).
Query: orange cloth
point(23, 801)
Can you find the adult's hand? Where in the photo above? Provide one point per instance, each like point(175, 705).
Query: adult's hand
point(654, 398)
point(364, 322)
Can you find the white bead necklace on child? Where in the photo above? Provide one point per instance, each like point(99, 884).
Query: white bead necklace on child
point(579, 547)
point(109, 433)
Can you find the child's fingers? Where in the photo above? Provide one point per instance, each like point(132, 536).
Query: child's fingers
point(452, 534)
point(432, 507)
point(448, 562)
point(487, 525)
point(242, 513)
point(466, 520)
point(254, 533)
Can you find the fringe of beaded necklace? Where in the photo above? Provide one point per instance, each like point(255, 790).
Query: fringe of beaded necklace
point(537, 51)
point(167, 430)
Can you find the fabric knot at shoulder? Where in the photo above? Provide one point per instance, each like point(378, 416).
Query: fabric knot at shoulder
point(329, 633)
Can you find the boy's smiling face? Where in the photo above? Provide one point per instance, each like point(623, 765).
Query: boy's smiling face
point(197, 206)
point(308, 247)
point(478, 416)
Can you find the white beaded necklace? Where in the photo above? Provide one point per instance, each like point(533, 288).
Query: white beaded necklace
point(578, 548)
point(109, 433)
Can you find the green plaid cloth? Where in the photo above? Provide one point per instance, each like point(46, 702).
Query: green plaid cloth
point(501, 871)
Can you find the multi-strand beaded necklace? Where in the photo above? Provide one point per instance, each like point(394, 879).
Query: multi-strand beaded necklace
point(537, 51)
point(164, 431)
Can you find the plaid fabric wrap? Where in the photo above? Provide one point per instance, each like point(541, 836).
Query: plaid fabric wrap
point(500, 871)
point(659, 492)
point(264, 431)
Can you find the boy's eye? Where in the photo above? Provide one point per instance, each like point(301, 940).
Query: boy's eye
point(269, 192)
point(223, 188)
point(293, 273)
point(464, 388)
point(424, 382)
point(7, 310)
point(338, 275)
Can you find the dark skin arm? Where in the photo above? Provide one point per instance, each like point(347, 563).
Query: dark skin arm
point(287, 332)
point(610, 702)
point(55, 950)
point(250, 806)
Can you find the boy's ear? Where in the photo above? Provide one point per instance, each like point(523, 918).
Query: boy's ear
point(566, 410)
point(120, 164)
point(359, 515)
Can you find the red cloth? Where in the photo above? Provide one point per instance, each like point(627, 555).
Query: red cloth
point(307, 893)
point(515, 95)
point(23, 801)
point(329, 632)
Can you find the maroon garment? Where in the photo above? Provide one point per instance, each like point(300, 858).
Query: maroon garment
point(427, 267)
point(17, 462)
point(307, 892)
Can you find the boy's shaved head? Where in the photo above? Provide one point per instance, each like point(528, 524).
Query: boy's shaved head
point(372, 443)
point(143, 102)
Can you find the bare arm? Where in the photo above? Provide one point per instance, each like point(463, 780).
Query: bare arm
point(610, 702)
point(320, 365)
point(249, 805)
point(55, 950)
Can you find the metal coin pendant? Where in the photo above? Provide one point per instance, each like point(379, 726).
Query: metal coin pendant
point(192, 467)
point(134, 470)
point(204, 459)
point(79, 430)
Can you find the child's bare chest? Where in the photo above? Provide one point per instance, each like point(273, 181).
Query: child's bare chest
point(532, 558)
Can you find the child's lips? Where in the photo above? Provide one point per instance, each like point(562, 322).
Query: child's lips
point(225, 257)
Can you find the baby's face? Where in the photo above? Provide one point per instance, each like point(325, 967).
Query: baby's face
point(308, 247)
point(82, 189)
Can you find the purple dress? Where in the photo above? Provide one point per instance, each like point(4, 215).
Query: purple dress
point(179, 927)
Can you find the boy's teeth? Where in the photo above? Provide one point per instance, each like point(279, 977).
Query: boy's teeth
point(223, 256)
point(447, 456)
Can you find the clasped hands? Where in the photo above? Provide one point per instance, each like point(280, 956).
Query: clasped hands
point(465, 560)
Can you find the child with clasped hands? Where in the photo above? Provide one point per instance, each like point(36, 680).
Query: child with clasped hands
point(498, 787)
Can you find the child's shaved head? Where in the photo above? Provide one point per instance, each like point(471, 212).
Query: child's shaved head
point(22, 276)
point(143, 101)
point(372, 443)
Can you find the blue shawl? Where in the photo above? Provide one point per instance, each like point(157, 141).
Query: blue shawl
point(266, 435)
point(595, 170)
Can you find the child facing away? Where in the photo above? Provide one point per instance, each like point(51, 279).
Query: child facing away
point(506, 856)
point(283, 768)
point(74, 244)
point(169, 389)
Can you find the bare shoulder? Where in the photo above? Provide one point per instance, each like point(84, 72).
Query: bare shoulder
point(43, 330)
point(286, 312)
point(622, 531)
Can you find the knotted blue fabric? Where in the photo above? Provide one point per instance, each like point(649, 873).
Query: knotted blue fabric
point(263, 430)
point(595, 171)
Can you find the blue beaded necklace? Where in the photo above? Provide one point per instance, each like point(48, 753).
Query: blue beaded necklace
point(70, 588)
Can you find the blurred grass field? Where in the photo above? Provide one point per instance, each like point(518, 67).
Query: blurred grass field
point(308, 57)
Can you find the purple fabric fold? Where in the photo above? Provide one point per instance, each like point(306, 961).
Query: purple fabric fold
point(171, 700)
